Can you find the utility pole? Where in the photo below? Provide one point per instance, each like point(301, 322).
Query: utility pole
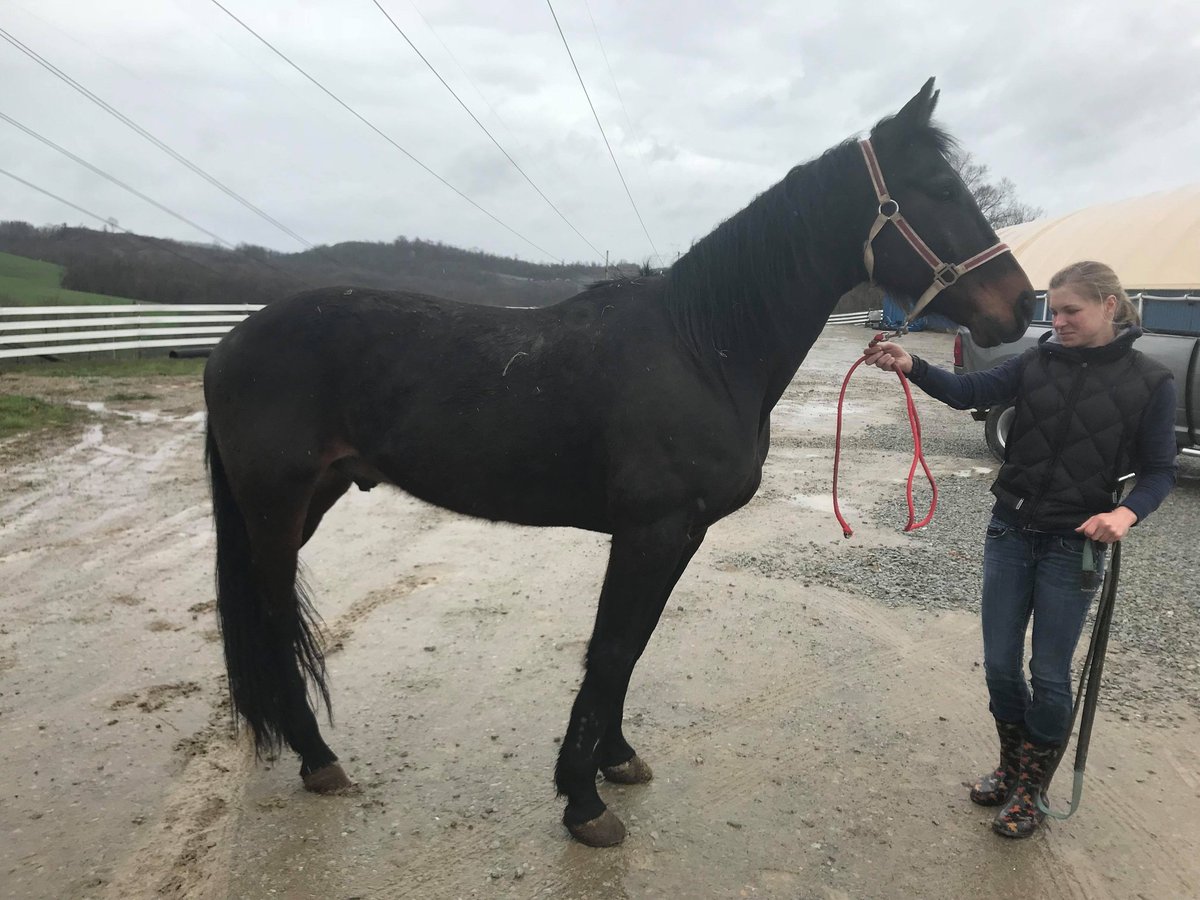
point(606, 265)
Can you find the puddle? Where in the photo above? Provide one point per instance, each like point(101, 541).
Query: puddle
point(93, 436)
point(819, 502)
point(814, 413)
point(142, 416)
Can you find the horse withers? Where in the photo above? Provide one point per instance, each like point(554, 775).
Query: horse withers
point(637, 408)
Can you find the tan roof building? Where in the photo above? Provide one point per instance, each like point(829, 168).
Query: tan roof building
point(1152, 242)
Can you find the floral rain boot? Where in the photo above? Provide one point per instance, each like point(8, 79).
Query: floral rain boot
point(1020, 817)
point(993, 788)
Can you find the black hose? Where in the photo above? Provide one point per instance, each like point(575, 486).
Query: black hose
point(1088, 694)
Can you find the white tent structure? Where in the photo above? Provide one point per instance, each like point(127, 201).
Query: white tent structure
point(1152, 242)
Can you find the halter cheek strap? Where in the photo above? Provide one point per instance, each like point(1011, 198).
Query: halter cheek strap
point(944, 274)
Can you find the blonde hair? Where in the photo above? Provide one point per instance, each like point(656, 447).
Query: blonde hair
point(1091, 278)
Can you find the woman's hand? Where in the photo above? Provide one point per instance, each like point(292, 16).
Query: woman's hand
point(889, 356)
point(1110, 527)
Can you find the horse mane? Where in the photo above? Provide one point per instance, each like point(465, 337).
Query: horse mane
point(726, 291)
point(933, 134)
point(619, 281)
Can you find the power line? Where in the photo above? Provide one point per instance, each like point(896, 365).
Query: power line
point(382, 134)
point(178, 157)
point(132, 190)
point(97, 216)
point(608, 65)
point(465, 73)
point(602, 134)
point(483, 128)
point(114, 180)
point(46, 23)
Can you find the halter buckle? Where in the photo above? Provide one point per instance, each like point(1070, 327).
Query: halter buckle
point(945, 275)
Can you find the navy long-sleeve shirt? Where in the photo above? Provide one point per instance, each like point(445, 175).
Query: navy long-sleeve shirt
point(1153, 453)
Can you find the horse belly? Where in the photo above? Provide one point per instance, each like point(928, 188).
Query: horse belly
point(500, 479)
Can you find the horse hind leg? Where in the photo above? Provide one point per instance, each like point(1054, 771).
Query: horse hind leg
point(272, 647)
point(291, 631)
point(319, 768)
point(329, 489)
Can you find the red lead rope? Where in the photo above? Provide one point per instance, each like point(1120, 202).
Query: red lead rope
point(918, 456)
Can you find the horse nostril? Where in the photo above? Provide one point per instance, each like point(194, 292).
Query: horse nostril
point(1025, 304)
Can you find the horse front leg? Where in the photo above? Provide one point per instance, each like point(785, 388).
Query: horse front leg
point(643, 565)
point(619, 762)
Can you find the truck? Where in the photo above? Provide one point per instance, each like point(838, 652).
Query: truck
point(1178, 352)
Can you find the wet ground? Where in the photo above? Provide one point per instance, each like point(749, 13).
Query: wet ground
point(807, 741)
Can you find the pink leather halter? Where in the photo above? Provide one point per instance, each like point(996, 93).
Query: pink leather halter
point(944, 274)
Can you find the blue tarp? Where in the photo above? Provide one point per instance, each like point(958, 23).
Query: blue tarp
point(894, 314)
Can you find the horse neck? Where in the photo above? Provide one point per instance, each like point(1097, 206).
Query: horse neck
point(757, 291)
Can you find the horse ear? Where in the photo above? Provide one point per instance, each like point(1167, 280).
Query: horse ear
point(919, 109)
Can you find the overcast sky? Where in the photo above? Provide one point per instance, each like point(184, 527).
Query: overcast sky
point(705, 105)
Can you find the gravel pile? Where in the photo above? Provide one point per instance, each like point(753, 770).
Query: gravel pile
point(1158, 610)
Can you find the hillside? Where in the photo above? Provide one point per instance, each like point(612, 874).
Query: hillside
point(88, 263)
point(61, 265)
point(30, 282)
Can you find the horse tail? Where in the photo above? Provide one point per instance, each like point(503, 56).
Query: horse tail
point(270, 648)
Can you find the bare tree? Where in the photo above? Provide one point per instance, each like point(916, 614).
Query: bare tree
point(997, 200)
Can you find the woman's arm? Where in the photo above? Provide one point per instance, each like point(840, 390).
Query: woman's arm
point(1155, 465)
point(975, 390)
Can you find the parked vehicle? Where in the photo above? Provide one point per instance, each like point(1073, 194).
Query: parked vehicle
point(1179, 353)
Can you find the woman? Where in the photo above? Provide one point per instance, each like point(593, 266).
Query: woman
point(1088, 409)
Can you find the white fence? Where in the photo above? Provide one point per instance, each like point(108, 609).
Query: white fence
point(856, 318)
point(58, 330)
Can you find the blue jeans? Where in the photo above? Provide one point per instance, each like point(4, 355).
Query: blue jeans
point(1032, 573)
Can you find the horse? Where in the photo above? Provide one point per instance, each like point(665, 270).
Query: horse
point(639, 408)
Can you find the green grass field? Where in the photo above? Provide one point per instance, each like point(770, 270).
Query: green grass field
point(20, 414)
point(125, 367)
point(30, 282)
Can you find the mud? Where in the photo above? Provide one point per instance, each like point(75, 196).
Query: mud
point(805, 741)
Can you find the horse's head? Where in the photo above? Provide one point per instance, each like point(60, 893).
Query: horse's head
point(934, 220)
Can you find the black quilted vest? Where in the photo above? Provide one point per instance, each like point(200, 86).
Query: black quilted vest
point(1077, 415)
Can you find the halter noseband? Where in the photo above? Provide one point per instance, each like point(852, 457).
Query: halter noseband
point(944, 274)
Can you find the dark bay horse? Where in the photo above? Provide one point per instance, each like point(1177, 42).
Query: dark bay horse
point(638, 408)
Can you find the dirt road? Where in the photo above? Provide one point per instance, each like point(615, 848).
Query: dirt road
point(807, 741)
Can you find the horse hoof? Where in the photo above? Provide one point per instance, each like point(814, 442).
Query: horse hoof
point(328, 779)
point(632, 771)
point(606, 830)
